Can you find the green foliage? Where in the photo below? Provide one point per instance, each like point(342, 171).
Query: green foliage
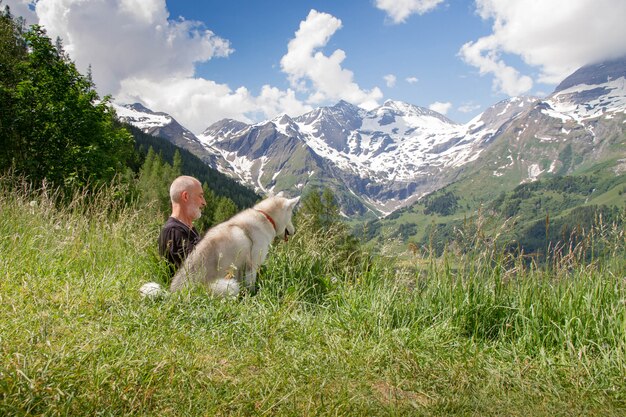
point(13, 49)
point(565, 156)
point(443, 204)
point(318, 220)
point(572, 231)
point(13, 52)
point(54, 126)
point(224, 210)
point(570, 190)
point(566, 201)
point(370, 230)
point(208, 214)
point(438, 236)
point(153, 182)
point(407, 230)
point(320, 209)
point(575, 233)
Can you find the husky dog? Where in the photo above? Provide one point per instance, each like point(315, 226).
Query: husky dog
point(231, 252)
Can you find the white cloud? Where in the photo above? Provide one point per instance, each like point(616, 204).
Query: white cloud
point(390, 80)
point(24, 8)
point(138, 53)
point(322, 77)
point(506, 78)
point(412, 80)
point(556, 36)
point(129, 39)
point(400, 10)
point(274, 101)
point(469, 107)
point(440, 107)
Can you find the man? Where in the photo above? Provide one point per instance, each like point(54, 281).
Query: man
point(178, 236)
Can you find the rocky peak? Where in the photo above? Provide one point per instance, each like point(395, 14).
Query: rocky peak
point(594, 74)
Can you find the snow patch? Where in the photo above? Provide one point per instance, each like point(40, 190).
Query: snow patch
point(552, 168)
point(611, 102)
point(546, 138)
point(533, 172)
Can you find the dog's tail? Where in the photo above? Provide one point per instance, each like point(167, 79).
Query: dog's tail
point(152, 290)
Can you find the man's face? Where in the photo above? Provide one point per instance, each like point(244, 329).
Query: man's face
point(195, 202)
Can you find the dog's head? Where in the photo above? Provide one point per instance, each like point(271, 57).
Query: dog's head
point(280, 209)
point(284, 226)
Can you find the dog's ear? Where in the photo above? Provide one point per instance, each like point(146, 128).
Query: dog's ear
point(291, 203)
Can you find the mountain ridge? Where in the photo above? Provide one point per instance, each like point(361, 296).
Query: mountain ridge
point(379, 160)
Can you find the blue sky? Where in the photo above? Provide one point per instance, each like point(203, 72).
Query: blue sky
point(251, 60)
point(424, 48)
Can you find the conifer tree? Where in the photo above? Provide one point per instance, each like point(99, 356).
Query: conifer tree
point(177, 164)
point(320, 209)
point(206, 220)
point(155, 178)
point(224, 210)
point(145, 185)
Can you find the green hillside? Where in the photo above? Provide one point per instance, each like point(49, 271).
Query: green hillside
point(529, 217)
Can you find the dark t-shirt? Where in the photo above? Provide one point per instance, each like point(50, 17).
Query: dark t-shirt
point(176, 241)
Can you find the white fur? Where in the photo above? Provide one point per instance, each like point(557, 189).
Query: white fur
point(225, 287)
point(151, 290)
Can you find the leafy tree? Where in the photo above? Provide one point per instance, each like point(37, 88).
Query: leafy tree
point(53, 124)
point(13, 49)
point(13, 52)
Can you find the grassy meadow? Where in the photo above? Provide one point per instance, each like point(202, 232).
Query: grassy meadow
point(328, 333)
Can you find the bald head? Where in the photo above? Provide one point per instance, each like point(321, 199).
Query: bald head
point(182, 184)
point(187, 199)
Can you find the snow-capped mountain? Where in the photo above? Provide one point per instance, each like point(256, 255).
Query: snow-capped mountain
point(591, 92)
point(154, 123)
point(383, 159)
point(165, 126)
point(379, 159)
point(580, 124)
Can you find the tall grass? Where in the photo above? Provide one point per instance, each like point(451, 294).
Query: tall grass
point(333, 330)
